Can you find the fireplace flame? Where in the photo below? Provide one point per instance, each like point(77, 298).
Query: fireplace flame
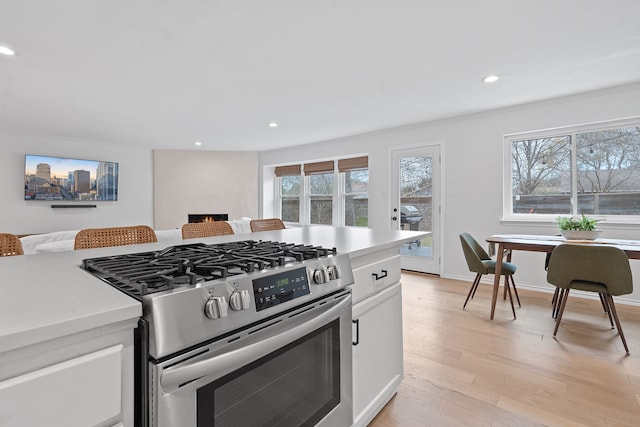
point(207, 217)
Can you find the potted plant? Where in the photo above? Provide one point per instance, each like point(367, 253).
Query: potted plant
point(583, 228)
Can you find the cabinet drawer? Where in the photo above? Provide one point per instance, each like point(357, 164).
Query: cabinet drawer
point(371, 278)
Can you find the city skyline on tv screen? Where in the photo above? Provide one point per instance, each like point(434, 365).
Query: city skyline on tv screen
point(67, 179)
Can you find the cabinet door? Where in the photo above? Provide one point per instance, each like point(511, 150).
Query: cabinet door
point(85, 391)
point(377, 352)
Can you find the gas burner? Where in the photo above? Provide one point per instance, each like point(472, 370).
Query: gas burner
point(143, 273)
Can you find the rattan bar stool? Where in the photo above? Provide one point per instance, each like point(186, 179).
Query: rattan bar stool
point(10, 245)
point(114, 236)
point(266, 224)
point(193, 230)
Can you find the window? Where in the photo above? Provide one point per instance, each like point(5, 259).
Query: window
point(289, 191)
point(541, 171)
point(320, 191)
point(590, 169)
point(354, 176)
point(315, 193)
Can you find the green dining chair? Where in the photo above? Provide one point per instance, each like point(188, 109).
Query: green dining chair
point(555, 300)
point(592, 268)
point(479, 262)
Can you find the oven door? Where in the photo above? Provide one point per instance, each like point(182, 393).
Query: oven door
point(293, 370)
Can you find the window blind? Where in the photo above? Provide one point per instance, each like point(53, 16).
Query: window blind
point(318, 167)
point(287, 170)
point(355, 163)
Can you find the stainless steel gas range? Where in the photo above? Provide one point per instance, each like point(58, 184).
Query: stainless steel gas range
point(247, 333)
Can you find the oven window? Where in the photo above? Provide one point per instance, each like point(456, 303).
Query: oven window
point(294, 386)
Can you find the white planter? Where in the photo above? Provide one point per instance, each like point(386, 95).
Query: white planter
point(580, 234)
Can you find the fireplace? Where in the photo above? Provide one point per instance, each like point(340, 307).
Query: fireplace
point(207, 217)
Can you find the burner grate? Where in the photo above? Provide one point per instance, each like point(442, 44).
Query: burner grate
point(143, 273)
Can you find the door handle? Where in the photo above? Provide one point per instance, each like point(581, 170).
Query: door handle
point(219, 365)
point(381, 276)
point(357, 323)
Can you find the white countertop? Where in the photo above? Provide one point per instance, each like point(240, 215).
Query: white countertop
point(47, 296)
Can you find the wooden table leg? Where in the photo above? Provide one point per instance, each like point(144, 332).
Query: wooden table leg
point(496, 279)
point(504, 296)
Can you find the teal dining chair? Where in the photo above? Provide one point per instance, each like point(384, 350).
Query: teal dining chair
point(479, 262)
point(592, 268)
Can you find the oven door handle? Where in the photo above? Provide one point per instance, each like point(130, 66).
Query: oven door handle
point(221, 364)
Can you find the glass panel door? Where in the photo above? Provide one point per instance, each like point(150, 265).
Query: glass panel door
point(416, 205)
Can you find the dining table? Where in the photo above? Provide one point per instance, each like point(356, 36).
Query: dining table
point(507, 243)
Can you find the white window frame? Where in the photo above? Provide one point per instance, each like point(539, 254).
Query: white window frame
point(337, 218)
point(507, 207)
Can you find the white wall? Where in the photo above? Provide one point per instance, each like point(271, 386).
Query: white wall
point(203, 182)
point(134, 204)
point(473, 170)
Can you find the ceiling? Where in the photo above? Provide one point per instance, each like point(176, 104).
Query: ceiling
point(167, 73)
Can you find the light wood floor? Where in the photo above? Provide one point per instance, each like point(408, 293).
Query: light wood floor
point(462, 369)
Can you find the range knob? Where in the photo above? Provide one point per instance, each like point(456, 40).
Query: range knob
point(239, 300)
point(320, 275)
point(216, 307)
point(334, 272)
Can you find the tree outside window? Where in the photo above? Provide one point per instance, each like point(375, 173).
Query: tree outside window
point(321, 198)
point(593, 172)
point(541, 175)
point(608, 167)
point(290, 198)
point(416, 189)
point(356, 197)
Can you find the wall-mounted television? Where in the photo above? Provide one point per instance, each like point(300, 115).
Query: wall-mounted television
point(64, 179)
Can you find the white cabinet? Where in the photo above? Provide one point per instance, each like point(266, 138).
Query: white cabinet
point(377, 352)
point(81, 380)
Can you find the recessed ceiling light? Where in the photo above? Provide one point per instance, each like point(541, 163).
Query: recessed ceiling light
point(273, 125)
point(491, 79)
point(6, 51)
point(198, 143)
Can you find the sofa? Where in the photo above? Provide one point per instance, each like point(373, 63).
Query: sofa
point(59, 241)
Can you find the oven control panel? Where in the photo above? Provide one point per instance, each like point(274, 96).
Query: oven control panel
point(281, 287)
point(191, 314)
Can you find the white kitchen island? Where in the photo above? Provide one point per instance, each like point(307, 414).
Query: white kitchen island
point(66, 345)
point(66, 338)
